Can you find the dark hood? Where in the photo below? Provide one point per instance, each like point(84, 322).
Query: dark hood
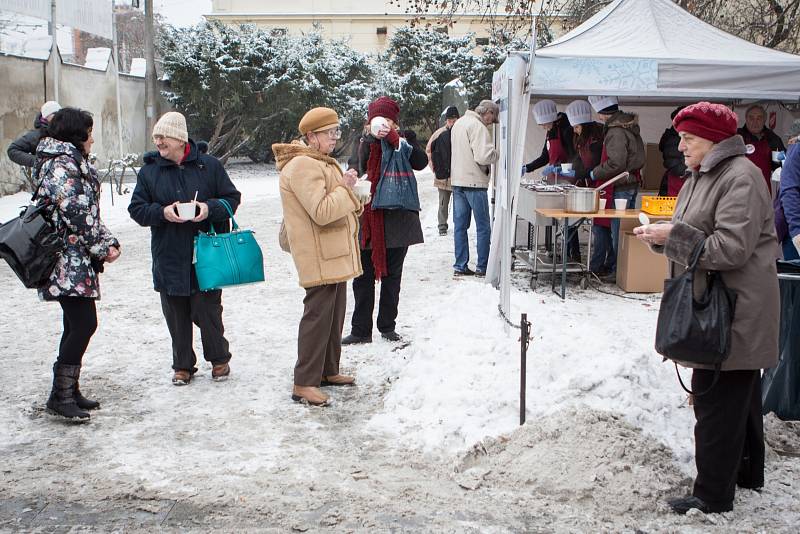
point(38, 122)
point(620, 119)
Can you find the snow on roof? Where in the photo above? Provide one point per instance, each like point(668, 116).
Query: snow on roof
point(97, 58)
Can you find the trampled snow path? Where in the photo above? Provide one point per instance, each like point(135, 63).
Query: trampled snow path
point(389, 454)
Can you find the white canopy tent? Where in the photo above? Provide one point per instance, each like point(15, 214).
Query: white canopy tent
point(653, 55)
point(653, 48)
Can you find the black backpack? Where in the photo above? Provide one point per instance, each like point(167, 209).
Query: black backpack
point(440, 154)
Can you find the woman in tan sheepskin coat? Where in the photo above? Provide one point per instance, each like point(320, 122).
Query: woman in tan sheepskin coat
point(320, 213)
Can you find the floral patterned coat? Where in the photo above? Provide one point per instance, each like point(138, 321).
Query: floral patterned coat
point(69, 185)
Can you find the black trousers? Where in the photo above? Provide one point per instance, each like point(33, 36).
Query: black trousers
point(729, 434)
point(80, 323)
point(364, 293)
point(319, 340)
point(204, 309)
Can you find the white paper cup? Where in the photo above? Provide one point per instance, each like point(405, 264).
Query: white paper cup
point(775, 154)
point(362, 187)
point(621, 203)
point(602, 203)
point(376, 124)
point(186, 210)
point(566, 167)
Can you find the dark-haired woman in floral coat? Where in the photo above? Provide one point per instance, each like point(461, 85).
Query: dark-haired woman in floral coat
point(68, 185)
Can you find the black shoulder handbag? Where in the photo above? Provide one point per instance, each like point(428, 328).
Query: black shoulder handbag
point(692, 330)
point(30, 245)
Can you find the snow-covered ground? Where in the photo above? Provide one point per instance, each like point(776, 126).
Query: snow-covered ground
point(428, 440)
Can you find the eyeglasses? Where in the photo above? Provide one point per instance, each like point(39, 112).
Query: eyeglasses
point(334, 133)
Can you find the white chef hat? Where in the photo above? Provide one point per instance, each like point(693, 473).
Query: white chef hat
point(545, 111)
point(599, 103)
point(579, 112)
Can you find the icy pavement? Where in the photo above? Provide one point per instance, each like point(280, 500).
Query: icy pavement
point(427, 442)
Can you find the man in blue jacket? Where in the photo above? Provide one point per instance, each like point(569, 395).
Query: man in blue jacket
point(176, 174)
point(787, 205)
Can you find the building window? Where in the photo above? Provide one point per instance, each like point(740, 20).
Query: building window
point(482, 41)
point(381, 30)
point(278, 32)
point(441, 29)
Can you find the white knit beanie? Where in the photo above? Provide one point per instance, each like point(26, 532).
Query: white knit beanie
point(545, 111)
point(49, 107)
point(579, 112)
point(172, 124)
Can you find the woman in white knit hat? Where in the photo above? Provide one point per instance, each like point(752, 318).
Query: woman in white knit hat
point(179, 173)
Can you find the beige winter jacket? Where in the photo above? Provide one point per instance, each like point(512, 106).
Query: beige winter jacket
point(473, 152)
point(320, 215)
point(727, 205)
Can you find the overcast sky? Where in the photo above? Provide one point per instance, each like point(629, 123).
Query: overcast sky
point(182, 12)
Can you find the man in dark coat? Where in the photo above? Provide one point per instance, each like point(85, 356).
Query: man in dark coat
point(760, 141)
point(439, 151)
point(676, 172)
point(175, 174)
point(22, 150)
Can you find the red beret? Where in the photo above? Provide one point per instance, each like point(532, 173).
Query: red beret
point(384, 107)
point(715, 122)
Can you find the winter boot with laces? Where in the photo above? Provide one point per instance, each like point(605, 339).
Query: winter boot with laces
point(62, 397)
point(82, 402)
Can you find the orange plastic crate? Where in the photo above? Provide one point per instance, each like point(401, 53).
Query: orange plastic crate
point(658, 205)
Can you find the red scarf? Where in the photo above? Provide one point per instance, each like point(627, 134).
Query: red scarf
point(372, 230)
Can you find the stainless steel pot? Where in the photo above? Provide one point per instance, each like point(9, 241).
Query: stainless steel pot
point(587, 199)
point(582, 200)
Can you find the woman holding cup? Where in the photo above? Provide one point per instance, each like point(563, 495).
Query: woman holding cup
point(724, 208)
point(321, 206)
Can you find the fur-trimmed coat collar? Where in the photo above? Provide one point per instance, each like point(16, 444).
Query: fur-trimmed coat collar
point(727, 148)
point(286, 152)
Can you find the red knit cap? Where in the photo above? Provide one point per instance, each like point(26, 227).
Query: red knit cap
point(384, 107)
point(715, 122)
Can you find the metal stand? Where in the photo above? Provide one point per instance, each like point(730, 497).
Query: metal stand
point(524, 342)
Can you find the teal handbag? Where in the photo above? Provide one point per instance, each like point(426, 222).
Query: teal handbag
point(232, 259)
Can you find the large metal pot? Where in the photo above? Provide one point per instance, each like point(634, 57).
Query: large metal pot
point(582, 200)
point(587, 199)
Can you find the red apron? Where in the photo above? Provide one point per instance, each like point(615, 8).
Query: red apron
point(556, 154)
point(609, 194)
point(674, 184)
point(762, 157)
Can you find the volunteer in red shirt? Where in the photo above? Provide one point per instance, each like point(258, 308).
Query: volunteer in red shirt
point(760, 141)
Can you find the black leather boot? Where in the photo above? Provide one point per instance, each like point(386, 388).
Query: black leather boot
point(62, 397)
point(82, 402)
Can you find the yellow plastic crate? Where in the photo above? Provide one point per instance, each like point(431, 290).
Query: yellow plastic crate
point(658, 205)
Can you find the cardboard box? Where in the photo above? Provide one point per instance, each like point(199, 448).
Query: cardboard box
point(639, 270)
point(653, 167)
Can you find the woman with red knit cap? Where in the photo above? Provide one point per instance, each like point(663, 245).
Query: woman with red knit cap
point(385, 234)
point(724, 208)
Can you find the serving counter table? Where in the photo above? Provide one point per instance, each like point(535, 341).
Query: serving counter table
point(564, 221)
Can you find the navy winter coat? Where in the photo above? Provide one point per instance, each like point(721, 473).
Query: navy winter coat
point(22, 151)
point(162, 182)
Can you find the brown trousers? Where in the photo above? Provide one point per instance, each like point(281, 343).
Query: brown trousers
point(319, 340)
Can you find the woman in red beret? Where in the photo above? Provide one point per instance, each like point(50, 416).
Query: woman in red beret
point(385, 234)
point(725, 207)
